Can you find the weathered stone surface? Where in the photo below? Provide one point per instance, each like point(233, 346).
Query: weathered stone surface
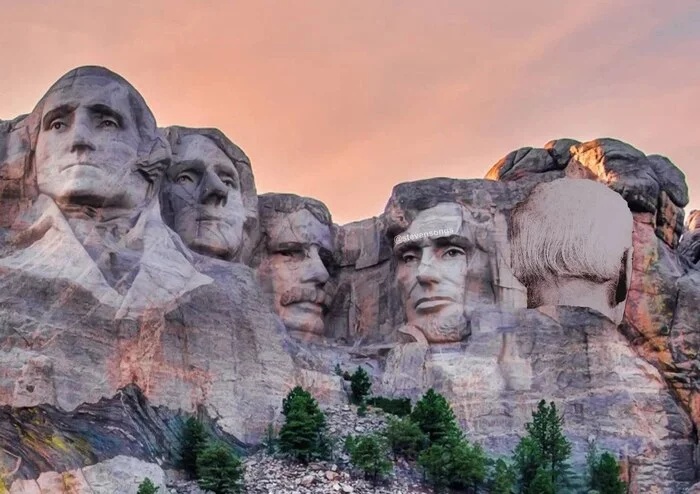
point(689, 246)
point(50, 439)
point(524, 161)
point(208, 195)
point(572, 356)
point(111, 328)
point(296, 260)
point(671, 179)
point(118, 475)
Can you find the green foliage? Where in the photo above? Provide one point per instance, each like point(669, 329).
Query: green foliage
point(349, 444)
point(544, 452)
point(360, 385)
point(503, 478)
point(405, 437)
point(454, 462)
point(303, 433)
point(147, 487)
point(542, 483)
point(194, 438)
point(604, 473)
point(309, 404)
point(220, 471)
point(337, 370)
point(468, 465)
point(435, 462)
point(435, 417)
point(527, 458)
point(369, 454)
point(401, 407)
point(362, 409)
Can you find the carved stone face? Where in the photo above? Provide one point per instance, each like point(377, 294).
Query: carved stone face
point(433, 257)
point(87, 146)
point(203, 192)
point(299, 249)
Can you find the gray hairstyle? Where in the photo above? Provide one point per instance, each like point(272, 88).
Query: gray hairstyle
point(570, 228)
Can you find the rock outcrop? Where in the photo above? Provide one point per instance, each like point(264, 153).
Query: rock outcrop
point(142, 280)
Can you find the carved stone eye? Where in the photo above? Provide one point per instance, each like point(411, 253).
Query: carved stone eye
point(454, 252)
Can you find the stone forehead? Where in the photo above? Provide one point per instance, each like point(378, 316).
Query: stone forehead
point(93, 76)
point(273, 205)
point(194, 145)
point(446, 216)
point(300, 226)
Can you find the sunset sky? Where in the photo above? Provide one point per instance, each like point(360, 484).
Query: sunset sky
point(342, 100)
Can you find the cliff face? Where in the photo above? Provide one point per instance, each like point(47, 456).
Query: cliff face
point(114, 324)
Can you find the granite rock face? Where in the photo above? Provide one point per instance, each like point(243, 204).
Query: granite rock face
point(143, 280)
point(121, 474)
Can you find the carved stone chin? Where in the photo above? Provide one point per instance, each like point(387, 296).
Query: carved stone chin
point(202, 200)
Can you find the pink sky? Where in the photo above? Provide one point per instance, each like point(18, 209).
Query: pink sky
point(342, 100)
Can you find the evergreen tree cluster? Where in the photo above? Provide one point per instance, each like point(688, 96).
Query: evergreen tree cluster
point(303, 435)
point(431, 437)
point(212, 463)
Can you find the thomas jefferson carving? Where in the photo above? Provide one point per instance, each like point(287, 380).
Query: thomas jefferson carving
point(572, 245)
point(208, 195)
point(297, 234)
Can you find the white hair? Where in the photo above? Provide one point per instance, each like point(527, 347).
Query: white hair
point(574, 228)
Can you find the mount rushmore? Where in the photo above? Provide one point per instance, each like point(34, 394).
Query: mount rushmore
point(142, 277)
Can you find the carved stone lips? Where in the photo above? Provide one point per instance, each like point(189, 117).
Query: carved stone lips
point(312, 299)
point(209, 217)
point(428, 304)
point(313, 307)
point(87, 163)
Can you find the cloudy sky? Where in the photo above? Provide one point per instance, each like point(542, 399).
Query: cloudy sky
point(342, 100)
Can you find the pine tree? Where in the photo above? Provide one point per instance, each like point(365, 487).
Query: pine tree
point(468, 465)
point(303, 433)
point(147, 487)
point(546, 430)
point(309, 404)
point(503, 479)
point(405, 437)
point(527, 458)
point(604, 474)
point(299, 435)
point(369, 453)
point(542, 483)
point(360, 385)
point(194, 438)
point(544, 451)
point(454, 462)
point(436, 465)
point(435, 417)
point(219, 470)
